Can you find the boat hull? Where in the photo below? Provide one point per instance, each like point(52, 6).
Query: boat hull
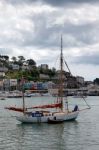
point(55, 117)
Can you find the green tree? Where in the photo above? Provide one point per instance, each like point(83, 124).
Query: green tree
point(96, 81)
point(14, 59)
point(21, 60)
point(31, 62)
point(4, 60)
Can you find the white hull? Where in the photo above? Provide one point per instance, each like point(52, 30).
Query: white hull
point(26, 118)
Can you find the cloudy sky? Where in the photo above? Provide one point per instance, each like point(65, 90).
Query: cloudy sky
point(32, 28)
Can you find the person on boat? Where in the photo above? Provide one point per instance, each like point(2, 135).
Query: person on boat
point(76, 108)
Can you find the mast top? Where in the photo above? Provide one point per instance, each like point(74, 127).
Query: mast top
point(61, 46)
point(61, 73)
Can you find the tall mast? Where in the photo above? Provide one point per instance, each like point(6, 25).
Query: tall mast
point(61, 73)
point(23, 94)
point(23, 100)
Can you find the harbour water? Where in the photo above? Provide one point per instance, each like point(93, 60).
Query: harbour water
point(82, 134)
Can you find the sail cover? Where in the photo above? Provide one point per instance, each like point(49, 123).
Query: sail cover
point(15, 109)
point(57, 105)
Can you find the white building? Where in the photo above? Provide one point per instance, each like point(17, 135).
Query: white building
point(25, 66)
point(43, 76)
point(3, 69)
point(2, 74)
point(44, 66)
point(15, 67)
point(13, 82)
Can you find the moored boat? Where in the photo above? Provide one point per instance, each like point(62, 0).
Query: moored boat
point(38, 116)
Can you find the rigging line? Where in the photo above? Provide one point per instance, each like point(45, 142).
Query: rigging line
point(86, 103)
point(57, 58)
point(67, 67)
point(71, 75)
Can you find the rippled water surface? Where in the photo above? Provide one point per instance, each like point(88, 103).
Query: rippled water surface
point(82, 134)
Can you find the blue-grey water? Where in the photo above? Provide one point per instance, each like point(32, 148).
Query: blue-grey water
point(82, 134)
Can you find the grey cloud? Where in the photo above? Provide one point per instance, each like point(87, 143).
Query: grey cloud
point(42, 36)
point(5, 51)
point(51, 2)
point(16, 2)
point(45, 37)
point(84, 34)
point(62, 3)
point(87, 59)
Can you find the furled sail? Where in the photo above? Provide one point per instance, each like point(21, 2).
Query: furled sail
point(15, 109)
point(57, 105)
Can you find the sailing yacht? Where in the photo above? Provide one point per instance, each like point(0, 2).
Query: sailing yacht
point(38, 116)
